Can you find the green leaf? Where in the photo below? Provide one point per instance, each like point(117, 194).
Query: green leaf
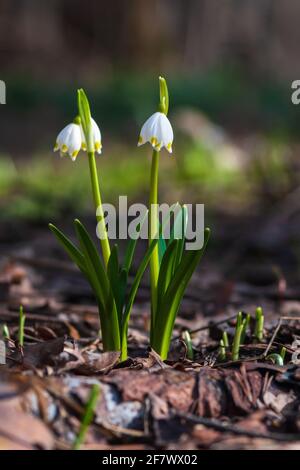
point(130, 249)
point(171, 300)
point(74, 253)
point(162, 246)
point(180, 227)
point(132, 294)
point(113, 272)
point(123, 277)
point(109, 315)
point(134, 288)
point(165, 271)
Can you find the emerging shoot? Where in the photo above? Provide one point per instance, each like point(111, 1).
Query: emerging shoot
point(22, 319)
point(87, 416)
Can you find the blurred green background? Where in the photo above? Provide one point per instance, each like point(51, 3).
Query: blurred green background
point(229, 67)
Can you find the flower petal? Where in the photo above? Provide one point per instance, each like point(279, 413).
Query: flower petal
point(157, 130)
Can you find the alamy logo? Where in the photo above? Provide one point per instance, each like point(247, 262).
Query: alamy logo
point(2, 92)
point(120, 227)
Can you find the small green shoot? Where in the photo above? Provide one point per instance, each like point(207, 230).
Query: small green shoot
point(224, 345)
point(259, 324)
point(246, 323)
point(222, 351)
point(87, 417)
point(5, 332)
point(275, 359)
point(225, 339)
point(283, 352)
point(240, 326)
point(188, 342)
point(22, 319)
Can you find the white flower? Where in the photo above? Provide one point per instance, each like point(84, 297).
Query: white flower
point(96, 137)
point(69, 141)
point(158, 131)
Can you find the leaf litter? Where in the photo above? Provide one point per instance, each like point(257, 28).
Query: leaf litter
point(181, 403)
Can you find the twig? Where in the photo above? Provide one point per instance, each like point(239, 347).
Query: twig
point(224, 427)
point(281, 319)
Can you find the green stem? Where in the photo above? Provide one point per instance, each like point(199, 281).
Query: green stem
point(259, 324)
point(222, 351)
point(22, 319)
point(98, 205)
point(153, 230)
point(87, 417)
point(237, 342)
point(225, 339)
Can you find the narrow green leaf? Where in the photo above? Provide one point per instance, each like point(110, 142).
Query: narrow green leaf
point(109, 315)
point(131, 245)
point(78, 258)
point(165, 271)
point(172, 298)
point(180, 227)
point(87, 417)
point(132, 293)
point(162, 246)
point(113, 272)
point(74, 253)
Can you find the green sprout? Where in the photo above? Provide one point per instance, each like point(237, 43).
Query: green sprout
point(22, 319)
point(222, 351)
point(246, 324)
point(87, 416)
point(238, 339)
point(283, 352)
point(240, 326)
point(188, 342)
point(224, 345)
point(259, 324)
point(276, 358)
point(5, 332)
point(225, 339)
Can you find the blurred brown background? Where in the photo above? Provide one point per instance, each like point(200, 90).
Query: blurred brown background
point(229, 66)
point(72, 39)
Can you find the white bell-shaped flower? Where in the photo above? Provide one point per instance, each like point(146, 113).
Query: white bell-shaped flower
point(158, 131)
point(96, 137)
point(69, 141)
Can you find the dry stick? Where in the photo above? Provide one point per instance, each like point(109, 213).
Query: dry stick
point(220, 426)
point(281, 319)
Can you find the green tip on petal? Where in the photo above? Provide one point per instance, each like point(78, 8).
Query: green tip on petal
point(77, 120)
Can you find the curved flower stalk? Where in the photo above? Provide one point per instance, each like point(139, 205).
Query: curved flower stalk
point(171, 267)
point(158, 131)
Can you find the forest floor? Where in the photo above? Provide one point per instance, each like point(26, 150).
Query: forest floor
point(144, 403)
